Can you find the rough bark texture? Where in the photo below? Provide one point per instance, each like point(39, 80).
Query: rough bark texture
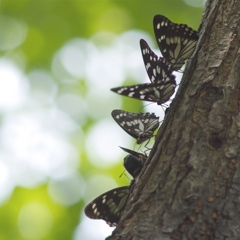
point(190, 186)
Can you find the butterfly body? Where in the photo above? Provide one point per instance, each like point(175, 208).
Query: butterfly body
point(133, 162)
point(133, 165)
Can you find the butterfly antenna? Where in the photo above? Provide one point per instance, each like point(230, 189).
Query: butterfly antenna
point(147, 144)
point(139, 148)
point(141, 109)
point(164, 105)
point(144, 106)
point(162, 108)
point(122, 173)
point(148, 149)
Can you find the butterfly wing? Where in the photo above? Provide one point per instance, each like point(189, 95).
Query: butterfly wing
point(176, 41)
point(150, 60)
point(157, 68)
point(140, 126)
point(158, 92)
point(108, 206)
point(135, 154)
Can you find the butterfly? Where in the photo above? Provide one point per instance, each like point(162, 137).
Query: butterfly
point(133, 162)
point(157, 68)
point(109, 206)
point(158, 91)
point(176, 41)
point(139, 125)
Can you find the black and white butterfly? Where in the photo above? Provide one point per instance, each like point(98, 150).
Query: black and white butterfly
point(176, 41)
point(109, 206)
point(158, 91)
point(133, 162)
point(139, 125)
point(158, 69)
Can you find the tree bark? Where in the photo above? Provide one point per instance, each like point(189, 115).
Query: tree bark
point(189, 187)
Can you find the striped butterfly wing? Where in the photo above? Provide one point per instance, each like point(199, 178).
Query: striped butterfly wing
point(176, 41)
point(157, 68)
point(140, 126)
point(157, 91)
point(109, 206)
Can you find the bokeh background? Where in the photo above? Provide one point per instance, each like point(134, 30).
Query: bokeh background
point(58, 142)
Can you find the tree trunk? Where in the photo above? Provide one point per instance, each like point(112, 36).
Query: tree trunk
point(189, 187)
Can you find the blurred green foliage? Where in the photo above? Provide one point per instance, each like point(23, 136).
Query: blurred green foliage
point(50, 24)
